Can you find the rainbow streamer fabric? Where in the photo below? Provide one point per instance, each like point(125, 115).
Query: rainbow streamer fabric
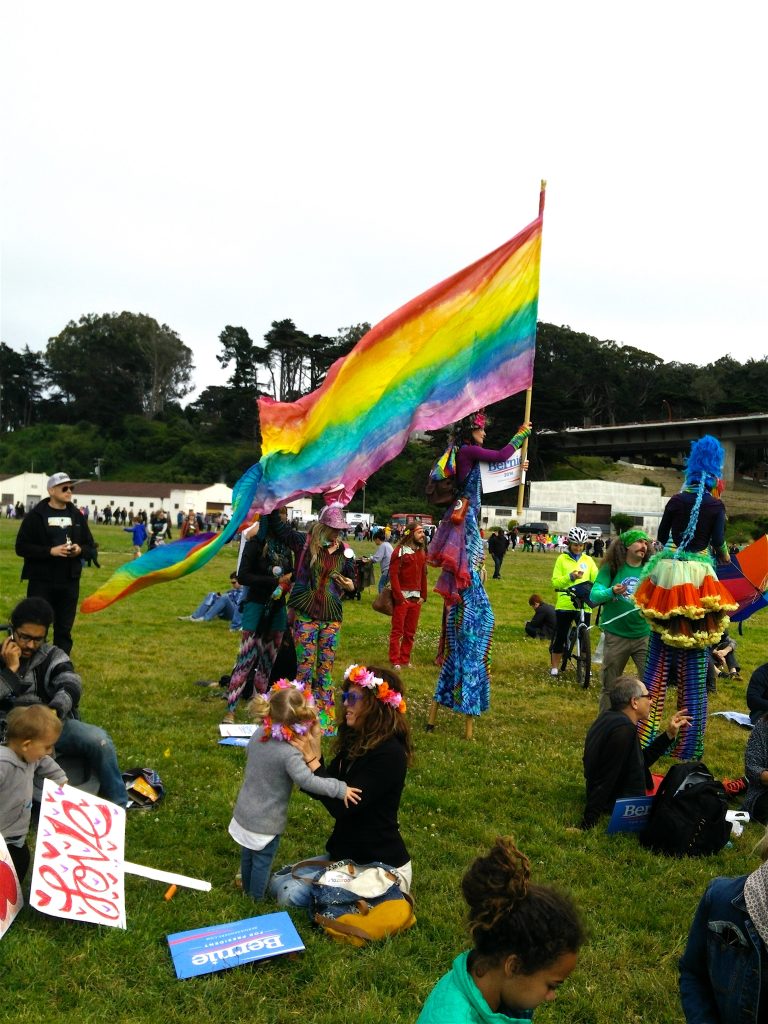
point(467, 342)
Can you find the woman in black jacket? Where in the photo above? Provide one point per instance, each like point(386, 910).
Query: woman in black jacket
point(373, 751)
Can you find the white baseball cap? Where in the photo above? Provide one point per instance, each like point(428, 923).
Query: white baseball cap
point(58, 479)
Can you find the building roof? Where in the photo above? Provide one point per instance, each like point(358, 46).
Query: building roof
point(121, 488)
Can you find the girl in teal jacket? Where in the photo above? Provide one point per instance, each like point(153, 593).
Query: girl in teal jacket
point(527, 939)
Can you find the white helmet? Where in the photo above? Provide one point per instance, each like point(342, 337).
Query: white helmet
point(577, 536)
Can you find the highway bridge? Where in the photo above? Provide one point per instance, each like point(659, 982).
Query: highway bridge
point(674, 436)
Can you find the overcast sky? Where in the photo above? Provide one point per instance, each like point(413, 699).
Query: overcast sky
point(238, 163)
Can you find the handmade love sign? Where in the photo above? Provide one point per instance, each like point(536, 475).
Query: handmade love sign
point(78, 872)
point(11, 900)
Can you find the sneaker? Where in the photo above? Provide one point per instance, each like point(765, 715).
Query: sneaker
point(185, 618)
point(208, 683)
point(734, 786)
point(229, 718)
point(554, 672)
point(396, 668)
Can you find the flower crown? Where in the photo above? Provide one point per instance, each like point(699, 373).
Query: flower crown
point(361, 676)
point(277, 730)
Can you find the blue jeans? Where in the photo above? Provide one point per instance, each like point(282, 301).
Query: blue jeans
point(255, 866)
point(214, 606)
point(289, 891)
point(383, 581)
point(79, 739)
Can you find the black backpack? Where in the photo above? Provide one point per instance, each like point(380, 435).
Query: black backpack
point(687, 817)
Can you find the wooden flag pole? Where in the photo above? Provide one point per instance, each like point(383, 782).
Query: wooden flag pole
point(524, 454)
point(529, 391)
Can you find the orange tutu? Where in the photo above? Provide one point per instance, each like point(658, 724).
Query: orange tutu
point(684, 602)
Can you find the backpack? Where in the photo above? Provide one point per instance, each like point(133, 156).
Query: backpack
point(442, 486)
point(144, 787)
point(687, 817)
point(358, 903)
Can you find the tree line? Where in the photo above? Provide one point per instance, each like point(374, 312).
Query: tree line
point(108, 389)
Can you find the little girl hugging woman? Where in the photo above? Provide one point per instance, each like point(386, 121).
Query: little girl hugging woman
point(273, 766)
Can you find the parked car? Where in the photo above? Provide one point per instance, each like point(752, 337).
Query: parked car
point(533, 528)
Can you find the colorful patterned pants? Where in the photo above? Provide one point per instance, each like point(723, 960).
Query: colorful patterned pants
point(257, 654)
point(315, 652)
point(687, 668)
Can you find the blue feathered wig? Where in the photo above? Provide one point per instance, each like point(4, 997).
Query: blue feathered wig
point(705, 463)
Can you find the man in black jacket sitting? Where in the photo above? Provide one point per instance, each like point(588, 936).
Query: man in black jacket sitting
point(32, 671)
point(615, 765)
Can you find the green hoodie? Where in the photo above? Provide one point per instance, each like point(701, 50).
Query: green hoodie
point(628, 626)
point(456, 999)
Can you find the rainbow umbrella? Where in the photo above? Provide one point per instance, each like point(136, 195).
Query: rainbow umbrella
point(746, 577)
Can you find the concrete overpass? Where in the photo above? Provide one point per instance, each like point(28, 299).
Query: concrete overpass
point(664, 436)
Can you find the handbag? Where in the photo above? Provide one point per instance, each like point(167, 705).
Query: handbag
point(441, 484)
point(383, 601)
point(357, 903)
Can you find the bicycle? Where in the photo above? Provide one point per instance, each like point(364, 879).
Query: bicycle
point(578, 647)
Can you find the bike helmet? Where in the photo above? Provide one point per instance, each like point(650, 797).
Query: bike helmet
point(577, 536)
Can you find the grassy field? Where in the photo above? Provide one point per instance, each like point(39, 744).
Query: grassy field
point(521, 774)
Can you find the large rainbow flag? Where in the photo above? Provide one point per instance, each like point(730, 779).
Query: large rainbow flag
point(467, 342)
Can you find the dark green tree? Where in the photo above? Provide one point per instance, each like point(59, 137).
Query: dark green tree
point(107, 366)
point(22, 380)
point(239, 348)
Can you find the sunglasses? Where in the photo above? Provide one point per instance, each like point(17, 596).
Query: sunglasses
point(66, 487)
point(25, 638)
point(351, 698)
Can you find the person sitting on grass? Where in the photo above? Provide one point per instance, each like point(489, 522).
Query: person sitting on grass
point(373, 751)
point(724, 657)
point(542, 625)
point(35, 672)
point(756, 772)
point(216, 605)
point(615, 766)
point(527, 939)
point(31, 736)
point(724, 969)
point(757, 693)
point(273, 766)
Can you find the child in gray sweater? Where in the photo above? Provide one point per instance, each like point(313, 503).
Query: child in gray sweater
point(273, 766)
point(31, 737)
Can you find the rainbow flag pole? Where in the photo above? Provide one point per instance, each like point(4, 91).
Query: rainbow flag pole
point(465, 343)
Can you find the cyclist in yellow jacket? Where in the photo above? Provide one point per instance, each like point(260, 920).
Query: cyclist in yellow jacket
point(571, 568)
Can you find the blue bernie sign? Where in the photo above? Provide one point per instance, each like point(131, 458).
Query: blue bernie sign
point(205, 950)
point(630, 814)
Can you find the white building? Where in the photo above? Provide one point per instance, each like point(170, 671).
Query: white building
point(29, 488)
point(563, 504)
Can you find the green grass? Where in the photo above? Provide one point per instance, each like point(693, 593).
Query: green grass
point(521, 775)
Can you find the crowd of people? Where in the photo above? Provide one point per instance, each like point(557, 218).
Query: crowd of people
point(286, 599)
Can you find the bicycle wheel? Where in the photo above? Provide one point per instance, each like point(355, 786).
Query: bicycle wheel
point(568, 650)
point(584, 658)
